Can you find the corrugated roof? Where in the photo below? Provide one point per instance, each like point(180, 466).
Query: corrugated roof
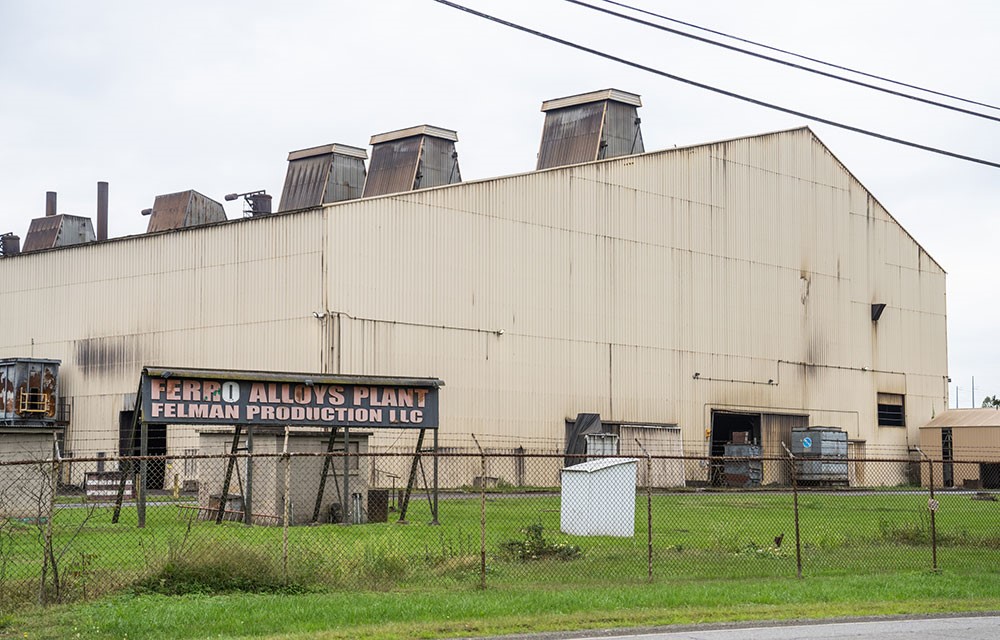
point(965, 418)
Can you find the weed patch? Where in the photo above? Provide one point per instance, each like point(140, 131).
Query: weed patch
point(534, 546)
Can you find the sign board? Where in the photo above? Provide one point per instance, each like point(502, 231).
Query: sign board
point(104, 484)
point(201, 397)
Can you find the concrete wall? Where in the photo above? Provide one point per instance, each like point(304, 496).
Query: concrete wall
point(25, 489)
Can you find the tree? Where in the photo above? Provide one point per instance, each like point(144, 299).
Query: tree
point(991, 402)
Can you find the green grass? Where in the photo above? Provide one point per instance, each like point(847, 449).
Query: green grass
point(696, 535)
point(436, 612)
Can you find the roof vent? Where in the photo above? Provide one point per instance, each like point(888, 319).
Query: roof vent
point(10, 244)
point(320, 175)
point(590, 126)
point(58, 230)
point(414, 158)
point(183, 209)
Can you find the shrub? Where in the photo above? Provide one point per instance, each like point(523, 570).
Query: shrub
point(534, 546)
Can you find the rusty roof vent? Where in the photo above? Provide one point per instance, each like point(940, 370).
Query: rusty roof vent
point(320, 175)
point(58, 230)
point(414, 158)
point(590, 126)
point(183, 209)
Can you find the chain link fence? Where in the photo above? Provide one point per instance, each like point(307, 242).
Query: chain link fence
point(77, 528)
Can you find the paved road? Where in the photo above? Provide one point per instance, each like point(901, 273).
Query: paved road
point(949, 628)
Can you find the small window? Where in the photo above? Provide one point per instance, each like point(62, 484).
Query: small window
point(891, 410)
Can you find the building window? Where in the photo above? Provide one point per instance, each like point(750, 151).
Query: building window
point(891, 410)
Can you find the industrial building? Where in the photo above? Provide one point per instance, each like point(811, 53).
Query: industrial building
point(747, 285)
point(964, 434)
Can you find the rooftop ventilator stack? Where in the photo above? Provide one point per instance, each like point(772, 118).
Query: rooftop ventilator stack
point(588, 127)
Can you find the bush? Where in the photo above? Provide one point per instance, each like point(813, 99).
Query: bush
point(534, 546)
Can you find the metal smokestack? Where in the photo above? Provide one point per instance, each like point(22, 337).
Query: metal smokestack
point(102, 211)
point(50, 203)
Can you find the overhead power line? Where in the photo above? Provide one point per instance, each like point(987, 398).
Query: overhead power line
point(825, 74)
point(802, 57)
point(731, 94)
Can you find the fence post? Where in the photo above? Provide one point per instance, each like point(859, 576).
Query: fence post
point(482, 515)
point(248, 491)
point(649, 511)
point(284, 517)
point(795, 506)
point(48, 556)
point(932, 505)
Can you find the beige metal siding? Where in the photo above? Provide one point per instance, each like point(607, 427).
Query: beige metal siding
point(752, 262)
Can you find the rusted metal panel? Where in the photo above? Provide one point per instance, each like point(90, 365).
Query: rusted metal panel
point(184, 209)
point(393, 167)
point(590, 126)
point(622, 135)
point(29, 391)
point(42, 233)
point(347, 179)
point(571, 135)
point(438, 164)
point(321, 175)
point(414, 158)
point(305, 183)
point(60, 230)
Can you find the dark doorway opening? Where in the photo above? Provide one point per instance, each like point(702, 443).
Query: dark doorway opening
point(989, 475)
point(947, 457)
point(724, 425)
point(129, 445)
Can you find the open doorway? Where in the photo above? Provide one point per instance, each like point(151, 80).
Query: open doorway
point(128, 445)
point(724, 425)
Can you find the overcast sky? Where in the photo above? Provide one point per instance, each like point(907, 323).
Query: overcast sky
point(212, 95)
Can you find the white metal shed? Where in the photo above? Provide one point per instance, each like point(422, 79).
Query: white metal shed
point(598, 498)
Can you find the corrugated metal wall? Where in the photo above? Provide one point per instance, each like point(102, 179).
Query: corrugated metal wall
point(595, 288)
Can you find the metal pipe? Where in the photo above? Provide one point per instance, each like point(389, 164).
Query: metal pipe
point(102, 210)
point(50, 203)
